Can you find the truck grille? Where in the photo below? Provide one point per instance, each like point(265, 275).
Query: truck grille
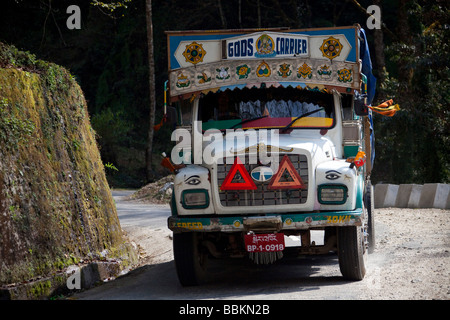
point(262, 195)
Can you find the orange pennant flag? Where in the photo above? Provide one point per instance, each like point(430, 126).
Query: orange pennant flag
point(386, 108)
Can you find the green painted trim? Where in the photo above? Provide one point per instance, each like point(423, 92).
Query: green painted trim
point(173, 205)
point(221, 124)
point(203, 206)
point(332, 186)
point(360, 192)
point(291, 221)
point(350, 151)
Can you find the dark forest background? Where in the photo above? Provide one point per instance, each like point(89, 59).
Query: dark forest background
point(108, 58)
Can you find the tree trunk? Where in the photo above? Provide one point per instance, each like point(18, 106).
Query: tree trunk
point(151, 78)
point(404, 34)
point(379, 54)
point(403, 31)
point(259, 13)
point(240, 14)
point(308, 17)
point(222, 15)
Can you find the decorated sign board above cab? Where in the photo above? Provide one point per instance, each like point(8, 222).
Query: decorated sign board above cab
point(203, 61)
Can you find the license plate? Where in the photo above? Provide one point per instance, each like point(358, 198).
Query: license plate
point(269, 242)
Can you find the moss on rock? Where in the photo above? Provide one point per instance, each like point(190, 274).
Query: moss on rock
point(56, 207)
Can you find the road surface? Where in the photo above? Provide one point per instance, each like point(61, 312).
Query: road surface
point(411, 261)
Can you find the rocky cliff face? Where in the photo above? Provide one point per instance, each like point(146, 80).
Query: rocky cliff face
point(56, 208)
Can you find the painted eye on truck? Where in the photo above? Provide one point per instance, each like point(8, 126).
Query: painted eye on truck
point(193, 180)
point(332, 175)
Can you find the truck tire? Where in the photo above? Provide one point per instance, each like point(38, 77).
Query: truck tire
point(370, 205)
point(190, 262)
point(351, 252)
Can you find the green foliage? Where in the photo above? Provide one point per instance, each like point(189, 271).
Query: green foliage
point(111, 166)
point(55, 78)
point(108, 56)
point(11, 56)
point(112, 5)
point(111, 128)
point(14, 131)
point(413, 146)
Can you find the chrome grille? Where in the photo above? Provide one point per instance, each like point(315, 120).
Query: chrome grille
point(262, 195)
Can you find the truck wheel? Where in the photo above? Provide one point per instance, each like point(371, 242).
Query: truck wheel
point(370, 205)
point(190, 262)
point(351, 252)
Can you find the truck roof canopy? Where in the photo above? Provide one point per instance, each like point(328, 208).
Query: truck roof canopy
point(313, 59)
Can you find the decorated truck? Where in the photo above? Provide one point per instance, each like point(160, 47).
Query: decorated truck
point(274, 143)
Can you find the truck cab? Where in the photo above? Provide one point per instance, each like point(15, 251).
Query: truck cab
point(271, 143)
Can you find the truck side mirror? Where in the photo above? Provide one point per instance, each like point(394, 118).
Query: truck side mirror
point(172, 115)
point(360, 105)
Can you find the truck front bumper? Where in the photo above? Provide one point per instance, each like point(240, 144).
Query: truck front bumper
point(289, 221)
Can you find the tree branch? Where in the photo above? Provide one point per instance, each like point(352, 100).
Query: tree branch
point(383, 26)
point(45, 22)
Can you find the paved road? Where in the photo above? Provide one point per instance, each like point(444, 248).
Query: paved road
point(411, 261)
point(140, 214)
point(316, 277)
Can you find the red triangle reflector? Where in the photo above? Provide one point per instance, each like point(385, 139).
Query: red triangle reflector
point(248, 183)
point(286, 166)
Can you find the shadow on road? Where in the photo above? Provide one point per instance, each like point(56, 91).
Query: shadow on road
point(307, 277)
point(228, 279)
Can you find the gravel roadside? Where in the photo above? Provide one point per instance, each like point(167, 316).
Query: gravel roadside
point(412, 255)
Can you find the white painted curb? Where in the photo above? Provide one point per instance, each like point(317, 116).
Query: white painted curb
point(429, 195)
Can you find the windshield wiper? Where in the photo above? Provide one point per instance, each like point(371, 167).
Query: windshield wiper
point(299, 117)
point(248, 120)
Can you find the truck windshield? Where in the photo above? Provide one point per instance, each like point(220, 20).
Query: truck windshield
point(266, 108)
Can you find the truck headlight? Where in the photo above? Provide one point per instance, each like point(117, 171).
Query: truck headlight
point(195, 199)
point(332, 193)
